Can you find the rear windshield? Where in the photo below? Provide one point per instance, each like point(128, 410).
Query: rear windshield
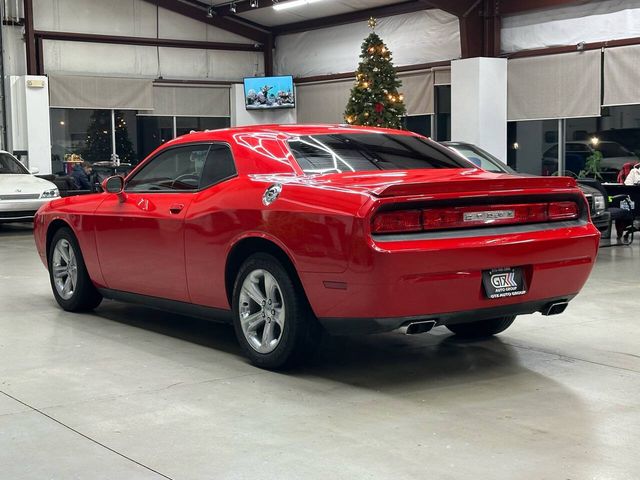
point(367, 151)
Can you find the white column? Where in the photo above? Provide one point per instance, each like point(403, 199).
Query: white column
point(28, 122)
point(479, 103)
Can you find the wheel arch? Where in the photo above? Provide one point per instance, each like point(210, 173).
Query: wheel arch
point(53, 227)
point(247, 246)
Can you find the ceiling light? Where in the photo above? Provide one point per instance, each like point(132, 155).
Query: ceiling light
point(233, 8)
point(211, 12)
point(253, 3)
point(292, 4)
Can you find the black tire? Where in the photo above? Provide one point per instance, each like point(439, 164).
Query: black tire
point(299, 337)
point(482, 328)
point(85, 296)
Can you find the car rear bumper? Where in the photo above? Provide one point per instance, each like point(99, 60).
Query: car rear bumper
point(399, 281)
point(360, 326)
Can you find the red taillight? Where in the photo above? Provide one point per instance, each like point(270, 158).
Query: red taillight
point(473, 216)
point(563, 211)
point(397, 221)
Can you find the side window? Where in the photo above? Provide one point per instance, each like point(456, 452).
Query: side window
point(219, 166)
point(177, 169)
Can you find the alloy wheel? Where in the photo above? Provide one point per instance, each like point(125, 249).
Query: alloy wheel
point(262, 311)
point(65, 269)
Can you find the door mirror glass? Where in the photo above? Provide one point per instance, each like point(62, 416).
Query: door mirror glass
point(113, 184)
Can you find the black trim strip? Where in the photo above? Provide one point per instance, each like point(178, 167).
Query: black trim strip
point(182, 308)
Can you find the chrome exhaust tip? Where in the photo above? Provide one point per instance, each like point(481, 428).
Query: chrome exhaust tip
point(555, 308)
point(414, 328)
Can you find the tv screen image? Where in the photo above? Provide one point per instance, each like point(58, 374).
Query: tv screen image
point(265, 93)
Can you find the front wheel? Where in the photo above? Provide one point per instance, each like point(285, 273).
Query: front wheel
point(482, 328)
point(70, 282)
point(272, 319)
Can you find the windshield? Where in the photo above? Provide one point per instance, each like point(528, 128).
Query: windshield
point(612, 149)
point(357, 152)
point(481, 159)
point(9, 165)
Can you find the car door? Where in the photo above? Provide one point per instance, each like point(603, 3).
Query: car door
point(210, 226)
point(140, 233)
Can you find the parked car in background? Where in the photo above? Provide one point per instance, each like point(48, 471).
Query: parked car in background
point(629, 138)
point(614, 156)
point(483, 159)
point(282, 230)
point(21, 193)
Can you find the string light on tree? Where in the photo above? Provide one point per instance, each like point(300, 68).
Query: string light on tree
point(375, 99)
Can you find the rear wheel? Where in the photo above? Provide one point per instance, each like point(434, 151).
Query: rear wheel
point(482, 328)
point(70, 282)
point(272, 319)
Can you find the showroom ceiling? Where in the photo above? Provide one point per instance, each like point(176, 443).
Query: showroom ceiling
point(270, 17)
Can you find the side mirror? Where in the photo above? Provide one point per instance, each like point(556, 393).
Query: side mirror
point(34, 170)
point(114, 184)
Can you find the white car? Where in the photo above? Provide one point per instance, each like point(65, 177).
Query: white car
point(21, 193)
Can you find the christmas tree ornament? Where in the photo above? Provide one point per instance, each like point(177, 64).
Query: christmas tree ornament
point(373, 23)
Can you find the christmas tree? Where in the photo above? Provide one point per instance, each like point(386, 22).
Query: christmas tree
point(375, 100)
point(98, 146)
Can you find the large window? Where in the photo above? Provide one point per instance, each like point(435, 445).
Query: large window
point(89, 134)
point(186, 124)
point(533, 145)
point(420, 124)
point(153, 131)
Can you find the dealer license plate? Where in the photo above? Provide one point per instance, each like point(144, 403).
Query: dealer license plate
point(504, 282)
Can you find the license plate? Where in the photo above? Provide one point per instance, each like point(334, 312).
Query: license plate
point(504, 282)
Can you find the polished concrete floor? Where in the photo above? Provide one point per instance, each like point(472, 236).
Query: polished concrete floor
point(132, 393)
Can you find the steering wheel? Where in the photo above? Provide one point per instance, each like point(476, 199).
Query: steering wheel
point(183, 177)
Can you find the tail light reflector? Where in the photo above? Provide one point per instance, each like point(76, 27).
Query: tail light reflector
point(563, 210)
point(446, 218)
point(397, 221)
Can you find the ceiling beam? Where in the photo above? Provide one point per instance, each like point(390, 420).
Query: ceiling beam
point(352, 17)
point(147, 42)
point(193, 11)
point(508, 7)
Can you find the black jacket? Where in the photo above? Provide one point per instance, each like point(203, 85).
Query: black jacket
point(80, 178)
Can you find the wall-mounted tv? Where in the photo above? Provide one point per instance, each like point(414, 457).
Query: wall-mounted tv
point(266, 93)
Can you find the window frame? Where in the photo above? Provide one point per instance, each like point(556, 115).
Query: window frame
point(208, 144)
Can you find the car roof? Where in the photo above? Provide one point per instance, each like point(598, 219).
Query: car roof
point(287, 130)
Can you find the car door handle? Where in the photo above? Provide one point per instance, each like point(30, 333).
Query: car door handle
point(176, 208)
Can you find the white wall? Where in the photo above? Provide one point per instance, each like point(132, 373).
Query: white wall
point(479, 103)
point(420, 37)
point(241, 116)
point(136, 18)
point(592, 21)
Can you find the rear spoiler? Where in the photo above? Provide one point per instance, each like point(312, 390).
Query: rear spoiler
point(505, 183)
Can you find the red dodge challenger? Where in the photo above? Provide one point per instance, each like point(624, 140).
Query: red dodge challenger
point(286, 230)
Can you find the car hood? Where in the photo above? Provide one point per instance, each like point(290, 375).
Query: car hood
point(429, 181)
point(19, 183)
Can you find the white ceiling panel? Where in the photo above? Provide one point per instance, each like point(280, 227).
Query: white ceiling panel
point(269, 17)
